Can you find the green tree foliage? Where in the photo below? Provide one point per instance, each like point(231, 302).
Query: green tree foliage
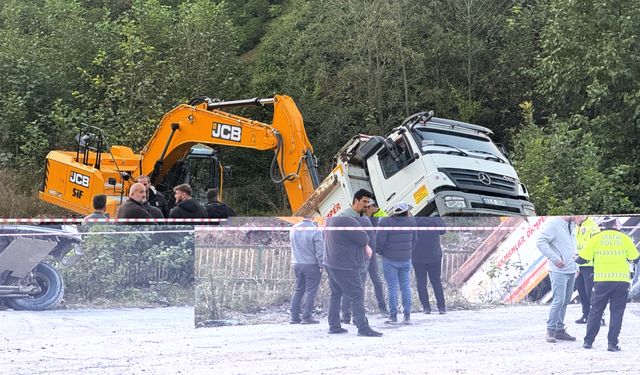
point(120, 265)
point(589, 68)
point(560, 165)
point(41, 44)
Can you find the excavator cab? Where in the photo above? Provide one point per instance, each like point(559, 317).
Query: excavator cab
point(200, 168)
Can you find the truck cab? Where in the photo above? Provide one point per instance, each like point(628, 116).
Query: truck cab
point(438, 166)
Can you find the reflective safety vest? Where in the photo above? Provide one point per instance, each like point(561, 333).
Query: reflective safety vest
point(585, 231)
point(610, 250)
point(380, 213)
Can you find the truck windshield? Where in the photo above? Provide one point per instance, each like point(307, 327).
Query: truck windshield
point(438, 141)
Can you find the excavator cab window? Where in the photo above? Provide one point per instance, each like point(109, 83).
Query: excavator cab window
point(200, 169)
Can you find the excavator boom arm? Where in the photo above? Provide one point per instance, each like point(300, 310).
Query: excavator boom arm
point(187, 125)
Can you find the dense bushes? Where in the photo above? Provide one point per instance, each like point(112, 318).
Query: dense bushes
point(124, 262)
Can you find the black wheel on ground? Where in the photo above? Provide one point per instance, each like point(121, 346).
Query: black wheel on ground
point(51, 294)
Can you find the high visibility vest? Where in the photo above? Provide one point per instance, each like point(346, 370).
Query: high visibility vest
point(380, 213)
point(610, 251)
point(585, 231)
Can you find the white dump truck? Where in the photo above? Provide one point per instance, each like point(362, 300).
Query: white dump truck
point(438, 166)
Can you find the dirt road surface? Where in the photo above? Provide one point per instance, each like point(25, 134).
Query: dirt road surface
point(163, 341)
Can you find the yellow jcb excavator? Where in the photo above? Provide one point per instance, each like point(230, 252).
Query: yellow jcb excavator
point(72, 178)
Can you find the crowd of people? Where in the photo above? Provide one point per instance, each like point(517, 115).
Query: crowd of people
point(348, 248)
point(580, 255)
point(144, 202)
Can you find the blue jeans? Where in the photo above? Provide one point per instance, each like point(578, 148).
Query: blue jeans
point(397, 275)
point(562, 288)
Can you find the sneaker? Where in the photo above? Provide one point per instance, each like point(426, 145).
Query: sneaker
point(407, 319)
point(294, 321)
point(587, 345)
point(392, 319)
point(613, 348)
point(564, 336)
point(369, 333)
point(335, 331)
point(426, 310)
point(582, 320)
point(442, 310)
point(309, 321)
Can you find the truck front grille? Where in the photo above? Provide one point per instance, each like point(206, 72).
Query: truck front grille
point(481, 181)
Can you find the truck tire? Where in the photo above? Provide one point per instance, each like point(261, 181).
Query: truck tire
point(52, 291)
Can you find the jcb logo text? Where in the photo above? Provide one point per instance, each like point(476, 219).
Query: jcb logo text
point(228, 132)
point(79, 179)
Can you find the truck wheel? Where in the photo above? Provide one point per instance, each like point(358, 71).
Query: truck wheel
point(51, 294)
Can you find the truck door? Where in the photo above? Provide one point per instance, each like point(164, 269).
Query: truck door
point(395, 172)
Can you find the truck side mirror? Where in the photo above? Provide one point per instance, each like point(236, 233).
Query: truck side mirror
point(503, 150)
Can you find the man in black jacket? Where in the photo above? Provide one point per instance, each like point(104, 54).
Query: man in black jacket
point(344, 258)
point(154, 199)
point(133, 207)
point(217, 209)
point(185, 206)
point(427, 261)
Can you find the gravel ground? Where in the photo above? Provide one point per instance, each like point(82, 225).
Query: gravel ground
point(163, 341)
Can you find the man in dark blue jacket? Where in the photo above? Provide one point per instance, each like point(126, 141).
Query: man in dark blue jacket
point(395, 247)
point(427, 261)
point(345, 256)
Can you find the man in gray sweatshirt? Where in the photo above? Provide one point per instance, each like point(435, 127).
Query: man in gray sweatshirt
point(557, 242)
point(307, 251)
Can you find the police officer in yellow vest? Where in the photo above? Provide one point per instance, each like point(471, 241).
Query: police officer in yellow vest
point(610, 251)
point(584, 280)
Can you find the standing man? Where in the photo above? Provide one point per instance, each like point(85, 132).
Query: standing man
point(217, 209)
point(427, 261)
point(344, 259)
point(396, 247)
point(361, 200)
point(99, 209)
point(186, 207)
point(557, 242)
point(133, 207)
point(154, 198)
point(610, 251)
point(375, 213)
point(307, 250)
point(584, 280)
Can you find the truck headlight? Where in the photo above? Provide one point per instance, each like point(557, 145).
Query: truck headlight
point(452, 201)
point(529, 210)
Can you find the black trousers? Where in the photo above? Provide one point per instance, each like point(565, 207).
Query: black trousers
point(615, 294)
point(307, 281)
point(584, 284)
point(434, 271)
point(346, 284)
point(345, 305)
point(378, 288)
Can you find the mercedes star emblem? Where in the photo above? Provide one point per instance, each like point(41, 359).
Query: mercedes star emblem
point(484, 178)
